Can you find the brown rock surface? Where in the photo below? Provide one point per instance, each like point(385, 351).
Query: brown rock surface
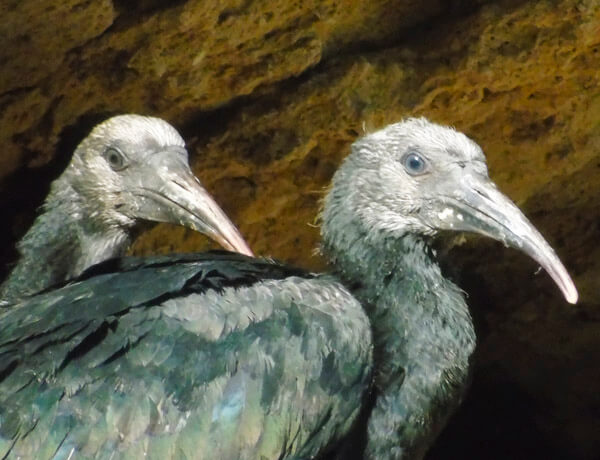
point(270, 95)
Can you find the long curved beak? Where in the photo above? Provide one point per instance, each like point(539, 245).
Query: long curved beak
point(171, 193)
point(481, 208)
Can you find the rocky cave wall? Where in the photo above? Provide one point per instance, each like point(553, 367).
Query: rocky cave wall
point(269, 96)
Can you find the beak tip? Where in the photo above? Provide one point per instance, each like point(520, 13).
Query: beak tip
point(247, 252)
point(567, 287)
point(572, 296)
point(234, 243)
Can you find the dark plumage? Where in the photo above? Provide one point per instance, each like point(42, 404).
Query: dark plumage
point(130, 169)
point(222, 356)
point(199, 356)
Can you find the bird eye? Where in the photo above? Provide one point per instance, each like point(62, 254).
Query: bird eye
point(414, 164)
point(115, 159)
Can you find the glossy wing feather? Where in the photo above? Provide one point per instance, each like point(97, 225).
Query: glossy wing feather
point(206, 356)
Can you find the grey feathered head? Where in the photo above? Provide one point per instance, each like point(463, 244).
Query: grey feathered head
point(133, 168)
point(422, 178)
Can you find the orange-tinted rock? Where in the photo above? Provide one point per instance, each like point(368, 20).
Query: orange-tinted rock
point(270, 95)
point(179, 59)
point(37, 35)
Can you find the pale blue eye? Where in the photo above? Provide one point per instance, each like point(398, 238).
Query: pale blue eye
point(115, 159)
point(414, 163)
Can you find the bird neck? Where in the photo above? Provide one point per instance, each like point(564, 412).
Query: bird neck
point(62, 242)
point(422, 332)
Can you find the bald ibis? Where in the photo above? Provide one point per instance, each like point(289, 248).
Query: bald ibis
point(128, 170)
point(224, 356)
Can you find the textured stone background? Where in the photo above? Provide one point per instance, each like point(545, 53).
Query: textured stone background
point(269, 95)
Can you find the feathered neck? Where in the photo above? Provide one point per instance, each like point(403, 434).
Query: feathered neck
point(422, 331)
point(62, 242)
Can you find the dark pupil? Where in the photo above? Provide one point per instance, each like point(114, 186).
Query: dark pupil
point(114, 159)
point(415, 163)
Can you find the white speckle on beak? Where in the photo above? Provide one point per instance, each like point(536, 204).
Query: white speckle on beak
point(446, 213)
